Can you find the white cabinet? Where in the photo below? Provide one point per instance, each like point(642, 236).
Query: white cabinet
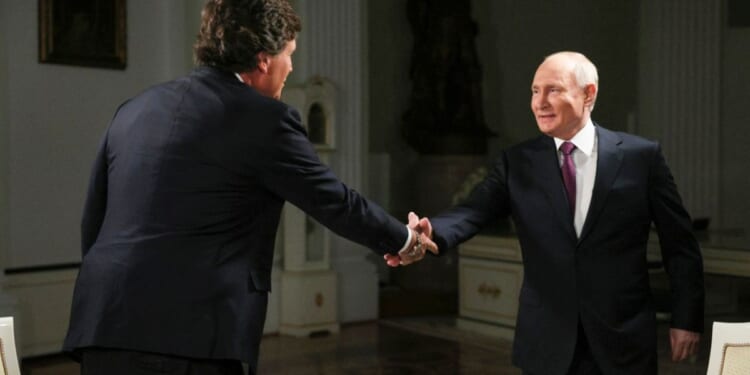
point(490, 273)
point(308, 302)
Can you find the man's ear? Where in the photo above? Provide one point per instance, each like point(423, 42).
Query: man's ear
point(590, 91)
point(264, 60)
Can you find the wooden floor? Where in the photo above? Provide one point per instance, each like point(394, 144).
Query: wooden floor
point(424, 345)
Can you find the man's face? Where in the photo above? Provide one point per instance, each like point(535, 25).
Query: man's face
point(560, 106)
point(278, 68)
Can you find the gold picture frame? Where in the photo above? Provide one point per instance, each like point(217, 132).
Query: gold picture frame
point(83, 33)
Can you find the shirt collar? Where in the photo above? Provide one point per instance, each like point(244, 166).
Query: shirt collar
point(583, 140)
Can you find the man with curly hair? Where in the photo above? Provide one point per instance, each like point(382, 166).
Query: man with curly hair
point(184, 202)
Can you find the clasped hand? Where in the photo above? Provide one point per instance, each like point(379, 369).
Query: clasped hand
point(421, 242)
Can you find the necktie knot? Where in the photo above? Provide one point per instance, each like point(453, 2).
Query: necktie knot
point(567, 147)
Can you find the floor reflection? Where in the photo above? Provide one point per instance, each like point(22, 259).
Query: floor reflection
point(398, 346)
point(423, 345)
point(380, 348)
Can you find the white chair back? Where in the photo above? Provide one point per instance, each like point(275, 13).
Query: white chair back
point(730, 349)
point(8, 355)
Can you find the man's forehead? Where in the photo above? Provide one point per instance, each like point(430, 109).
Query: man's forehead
point(548, 77)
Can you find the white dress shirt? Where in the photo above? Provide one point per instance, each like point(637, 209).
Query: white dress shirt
point(584, 158)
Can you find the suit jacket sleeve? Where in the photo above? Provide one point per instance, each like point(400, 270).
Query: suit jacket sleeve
point(488, 201)
point(679, 248)
point(96, 199)
point(290, 168)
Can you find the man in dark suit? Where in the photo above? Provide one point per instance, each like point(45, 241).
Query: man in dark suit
point(184, 201)
point(583, 199)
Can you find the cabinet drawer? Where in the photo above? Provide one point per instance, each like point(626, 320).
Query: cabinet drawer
point(489, 290)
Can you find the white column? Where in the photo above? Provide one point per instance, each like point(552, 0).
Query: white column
point(333, 45)
point(679, 82)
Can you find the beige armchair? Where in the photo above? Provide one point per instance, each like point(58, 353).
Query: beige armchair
point(730, 349)
point(8, 355)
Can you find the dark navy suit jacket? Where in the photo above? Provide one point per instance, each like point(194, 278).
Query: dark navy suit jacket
point(181, 215)
point(600, 279)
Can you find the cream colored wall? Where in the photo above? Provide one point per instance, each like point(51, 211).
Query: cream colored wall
point(51, 120)
point(56, 115)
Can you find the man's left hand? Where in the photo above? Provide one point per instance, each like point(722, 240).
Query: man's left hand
point(684, 343)
point(421, 243)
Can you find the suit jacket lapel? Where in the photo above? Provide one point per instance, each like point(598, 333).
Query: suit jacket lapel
point(607, 167)
point(546, 170)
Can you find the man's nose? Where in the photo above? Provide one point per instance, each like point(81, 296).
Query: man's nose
point(540, 101)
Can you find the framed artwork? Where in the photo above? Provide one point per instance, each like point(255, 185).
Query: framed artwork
point(83, 32)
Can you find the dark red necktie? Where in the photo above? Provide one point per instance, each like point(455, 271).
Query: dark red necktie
point(569, 173)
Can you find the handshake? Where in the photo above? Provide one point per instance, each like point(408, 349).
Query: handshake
point(421, 241)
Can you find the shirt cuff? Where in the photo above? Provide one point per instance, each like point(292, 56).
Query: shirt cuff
point(408, 239)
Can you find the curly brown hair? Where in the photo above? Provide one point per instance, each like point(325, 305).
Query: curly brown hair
point(233, 32)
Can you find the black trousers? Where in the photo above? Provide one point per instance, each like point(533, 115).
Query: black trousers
point(98, 361)
point(583, 361)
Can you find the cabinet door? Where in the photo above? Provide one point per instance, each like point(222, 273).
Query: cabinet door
point(489, 290)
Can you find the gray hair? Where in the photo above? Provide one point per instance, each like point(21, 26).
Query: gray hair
point(583, 69)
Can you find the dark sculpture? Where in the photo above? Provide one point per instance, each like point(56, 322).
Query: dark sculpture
point(445, 113)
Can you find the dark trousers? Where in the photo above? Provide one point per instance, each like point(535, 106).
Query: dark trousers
point(583, 361)
point(123, 362)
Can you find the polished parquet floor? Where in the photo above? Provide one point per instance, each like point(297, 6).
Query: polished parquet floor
point(400, 346)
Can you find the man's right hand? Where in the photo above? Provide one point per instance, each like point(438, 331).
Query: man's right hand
point(421, 241)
